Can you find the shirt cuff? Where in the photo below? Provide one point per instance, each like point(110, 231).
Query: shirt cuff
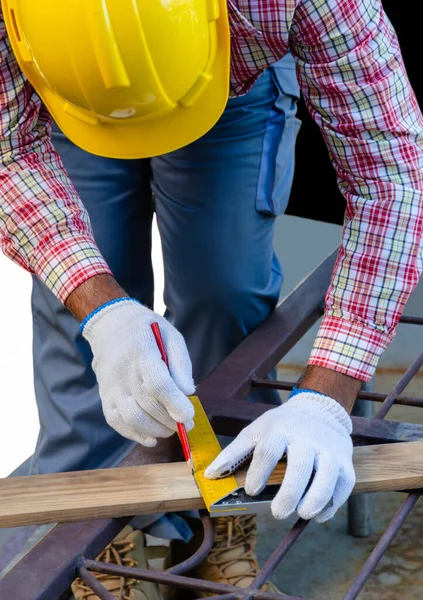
point(348, 347)
point(67, 264)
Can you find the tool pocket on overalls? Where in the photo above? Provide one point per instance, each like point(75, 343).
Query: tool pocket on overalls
point(278, 155)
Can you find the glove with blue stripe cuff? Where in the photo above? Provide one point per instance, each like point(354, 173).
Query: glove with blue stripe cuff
point(142, 399)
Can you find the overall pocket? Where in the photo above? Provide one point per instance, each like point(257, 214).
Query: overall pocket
point(278, 156)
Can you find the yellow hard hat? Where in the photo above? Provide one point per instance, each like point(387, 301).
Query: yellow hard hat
point(125, 78)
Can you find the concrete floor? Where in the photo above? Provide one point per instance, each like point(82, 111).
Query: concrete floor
point(324, 561)
point(322, 564)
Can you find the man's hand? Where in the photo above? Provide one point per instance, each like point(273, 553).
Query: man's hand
point(314, 431)
point(142, 399)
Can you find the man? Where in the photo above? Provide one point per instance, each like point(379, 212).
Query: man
point(353, 78)
point(221, 283)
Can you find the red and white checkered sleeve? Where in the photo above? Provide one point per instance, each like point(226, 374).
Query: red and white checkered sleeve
point(356, 88)
point(43, 224)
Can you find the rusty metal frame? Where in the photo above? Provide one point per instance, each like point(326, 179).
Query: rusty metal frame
point(69, 550)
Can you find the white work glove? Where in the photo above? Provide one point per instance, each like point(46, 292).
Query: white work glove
point(142, 399)
point(314, 431)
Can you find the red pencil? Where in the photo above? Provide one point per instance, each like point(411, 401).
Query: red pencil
point(183, 436)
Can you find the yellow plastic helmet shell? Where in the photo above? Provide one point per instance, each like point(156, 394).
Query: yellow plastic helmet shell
point(125, 78)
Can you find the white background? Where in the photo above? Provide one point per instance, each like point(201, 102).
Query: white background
point(18, 411)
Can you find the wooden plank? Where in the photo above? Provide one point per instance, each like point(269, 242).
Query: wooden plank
point(168, 487)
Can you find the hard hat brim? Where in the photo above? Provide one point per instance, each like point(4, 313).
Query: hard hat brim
point(148, 138)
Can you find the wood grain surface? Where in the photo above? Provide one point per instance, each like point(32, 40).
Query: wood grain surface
point(168, 487)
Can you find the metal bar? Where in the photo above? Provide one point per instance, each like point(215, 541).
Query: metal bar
point(276, 384)
point(399, 399)
point(178, 581)
point(95, 585)
point(202, 552)
point(228, 418)
point(401, 385)
point(272, 384)
point(361, 507)
point(382, 546)
point(276, 557)
point(257, 596)
point(224, 597)
point(376, 431)
point(263, 349)
point(268, 596)
point(411, 320)
point(360, 515)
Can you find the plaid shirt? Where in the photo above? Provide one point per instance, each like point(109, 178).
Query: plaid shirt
point(354, 82)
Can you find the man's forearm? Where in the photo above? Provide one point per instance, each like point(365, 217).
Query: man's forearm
point(102, 288)
point(93, 293)
point(338, 386)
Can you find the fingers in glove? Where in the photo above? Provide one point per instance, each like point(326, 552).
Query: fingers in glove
point(115, 420)
point(267, 453)
point(180, 366)
point(131, 434)
point(189, 425)
point(139, 423)
point(343, 489)
point(297, 477)
point(159, 385)
point(321, 489)
point(231, 457)
point(148, 403)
